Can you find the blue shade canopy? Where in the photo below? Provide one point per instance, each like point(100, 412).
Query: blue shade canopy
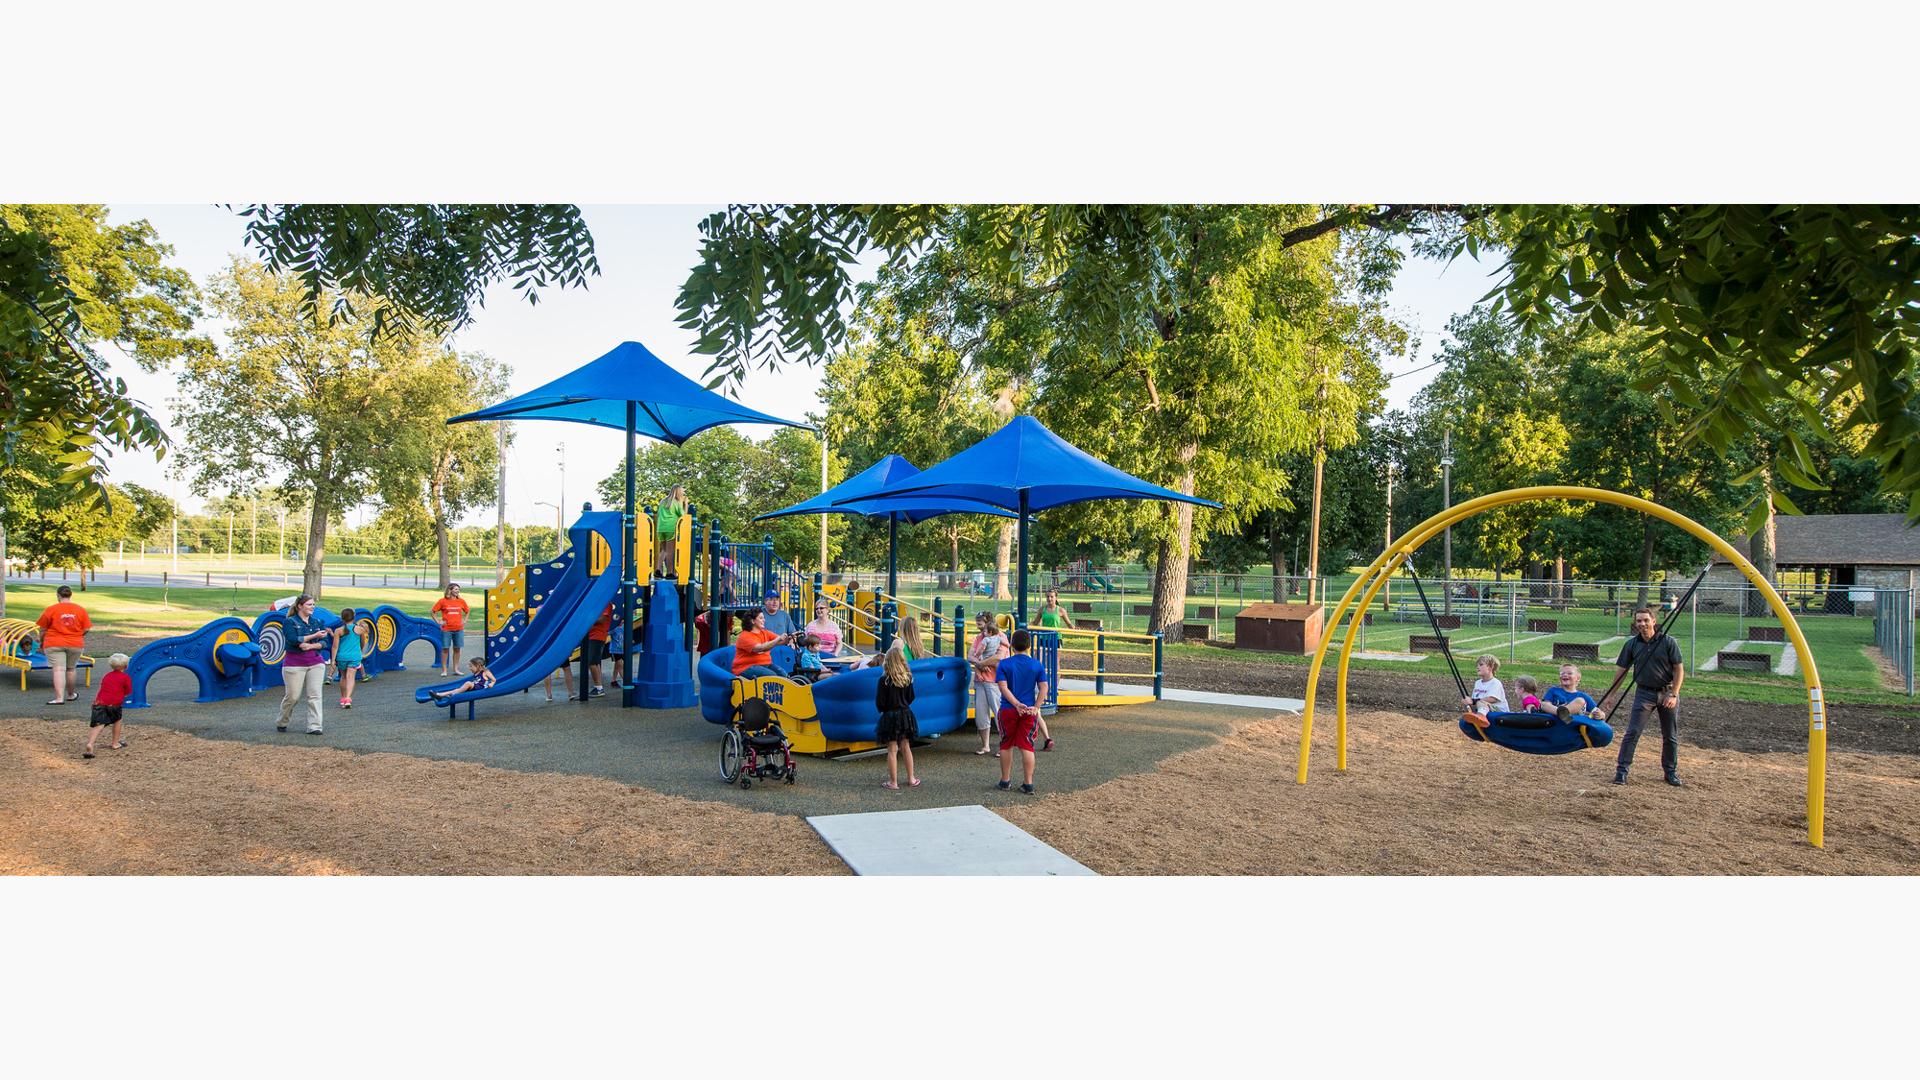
point(671, 407)
point(891, 469)
point(1023, 466)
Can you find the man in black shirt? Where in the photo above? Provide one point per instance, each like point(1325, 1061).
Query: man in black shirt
point(1654, 660)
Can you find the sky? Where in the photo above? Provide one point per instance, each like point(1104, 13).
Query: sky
point(644, 254)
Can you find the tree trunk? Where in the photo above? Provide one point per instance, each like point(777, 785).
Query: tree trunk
point(311, 575)
point(1002, 559)
point(953, 551)
point(1170, 570)
point(1760, 550)
point(446, 566)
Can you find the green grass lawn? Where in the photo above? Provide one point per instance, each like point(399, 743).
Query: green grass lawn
point(141, 612)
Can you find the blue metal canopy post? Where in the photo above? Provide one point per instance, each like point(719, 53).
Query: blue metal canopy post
point(630, 575)
point(893, 554)
point(1020, 602)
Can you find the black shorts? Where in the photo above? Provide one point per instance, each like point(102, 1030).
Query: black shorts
point(104, 715)
point(593, 651)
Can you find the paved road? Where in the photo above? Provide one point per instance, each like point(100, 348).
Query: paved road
point(290, 579)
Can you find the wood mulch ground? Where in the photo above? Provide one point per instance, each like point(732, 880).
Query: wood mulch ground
point(1420, 799)
point(172, 803)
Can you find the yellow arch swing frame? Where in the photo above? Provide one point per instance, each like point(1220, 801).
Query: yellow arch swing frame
point(1381, 569)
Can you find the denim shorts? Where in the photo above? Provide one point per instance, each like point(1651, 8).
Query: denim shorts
point(453, 639)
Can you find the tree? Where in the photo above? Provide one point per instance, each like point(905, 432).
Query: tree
point(445, 469)
point(712, 466)
point(902, 388)
point(1171, 341)
point(47, 526)
point(1494, 394)
point(1746, 306)
point(69, 281)
point(425, 267)
point(310, 402)
point(788, 472)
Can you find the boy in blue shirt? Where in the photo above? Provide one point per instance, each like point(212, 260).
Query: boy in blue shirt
point(1022, 689)
point(1568, 699)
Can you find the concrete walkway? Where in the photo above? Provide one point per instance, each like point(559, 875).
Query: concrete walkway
point(1200, 697)
point(945, 841)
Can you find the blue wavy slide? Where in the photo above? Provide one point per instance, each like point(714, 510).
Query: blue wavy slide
point(572, 605)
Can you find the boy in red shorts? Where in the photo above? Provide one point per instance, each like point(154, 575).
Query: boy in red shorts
point(1022, 689)
point(107, 702)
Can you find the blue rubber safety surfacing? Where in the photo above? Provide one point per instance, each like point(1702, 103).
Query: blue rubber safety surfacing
point(943, 841)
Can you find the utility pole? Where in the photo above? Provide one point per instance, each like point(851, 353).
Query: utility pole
point(559, 512)
point(823, 491)
point(173, 492)
point(500, 529)
point(1446, 503)
point(1319, 467)
point(1388, 584)
point(229, 537)
point(253, 544)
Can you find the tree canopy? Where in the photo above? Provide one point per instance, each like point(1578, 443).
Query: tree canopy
point(1748, 307)
point(426, 266)
point(69, 282)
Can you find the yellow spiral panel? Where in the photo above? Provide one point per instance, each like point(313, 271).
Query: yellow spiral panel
point(385, 632)
point(365, 626)
point(599, 556)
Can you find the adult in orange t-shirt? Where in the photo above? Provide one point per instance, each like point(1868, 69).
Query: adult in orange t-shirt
point(450, 611)
point(63, 633)
point(750, 659)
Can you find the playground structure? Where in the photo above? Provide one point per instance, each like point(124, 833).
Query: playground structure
point(837, 714)
point(17, 651)
point(1381, 569)
point(232, 658)
point(1080, 575)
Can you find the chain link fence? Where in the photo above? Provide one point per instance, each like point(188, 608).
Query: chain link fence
point(1860, 638)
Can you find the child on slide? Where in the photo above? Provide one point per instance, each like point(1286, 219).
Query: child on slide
point(478, 678)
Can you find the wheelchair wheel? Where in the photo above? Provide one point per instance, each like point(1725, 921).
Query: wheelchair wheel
point(732, 752)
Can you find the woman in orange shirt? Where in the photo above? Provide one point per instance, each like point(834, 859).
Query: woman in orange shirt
point(750, 649)
point(63, 633)
point(451, 613)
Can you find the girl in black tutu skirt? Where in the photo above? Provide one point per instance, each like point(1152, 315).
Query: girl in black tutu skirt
point(897, 726)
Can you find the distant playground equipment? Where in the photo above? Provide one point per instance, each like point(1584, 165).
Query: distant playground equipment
point(1081, 576)
point(18, 650)
point(1370, 581)
point(232, 658)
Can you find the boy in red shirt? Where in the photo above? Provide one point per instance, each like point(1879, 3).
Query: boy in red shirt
point(107, 701)
point(594, 650)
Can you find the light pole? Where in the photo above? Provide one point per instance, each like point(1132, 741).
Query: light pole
point(1446, 503)
point(563, 490)
point(559, 527)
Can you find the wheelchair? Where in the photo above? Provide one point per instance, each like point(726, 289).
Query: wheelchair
point(754, 747)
